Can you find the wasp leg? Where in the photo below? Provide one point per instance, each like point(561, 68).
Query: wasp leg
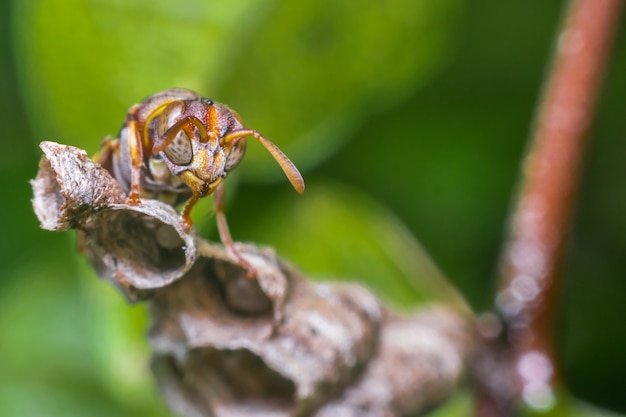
point(108, 148)
point(290, 170)
point(135, 148)
point(186, 214)
point(227, 240)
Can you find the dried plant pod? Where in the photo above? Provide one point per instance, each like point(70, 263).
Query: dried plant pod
point(419, 362)
point(69, 188)
point(137, 247)
point(333, 351)
point(227, 345)
point(317, 341)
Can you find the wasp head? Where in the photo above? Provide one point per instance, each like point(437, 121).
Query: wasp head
point(190, 137)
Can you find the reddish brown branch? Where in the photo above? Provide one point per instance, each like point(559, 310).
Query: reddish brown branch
point(540, 226)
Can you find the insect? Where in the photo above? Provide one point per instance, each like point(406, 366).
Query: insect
point(177, 146)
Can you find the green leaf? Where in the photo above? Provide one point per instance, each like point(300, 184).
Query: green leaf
point(119, 342)
point(459, 405)
point(304, 73)
point(335, 232)
point(65, 351)
point(316, 69)
point(564, 405)
point(84, 63)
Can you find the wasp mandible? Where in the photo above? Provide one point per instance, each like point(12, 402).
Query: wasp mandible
point(177, 146)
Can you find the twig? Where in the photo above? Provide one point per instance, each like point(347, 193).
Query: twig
point(539, 232)
point(227, 345)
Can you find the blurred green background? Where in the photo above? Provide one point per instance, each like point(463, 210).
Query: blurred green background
point(407, 118)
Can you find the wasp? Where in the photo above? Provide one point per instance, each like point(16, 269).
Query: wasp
point(178, 146)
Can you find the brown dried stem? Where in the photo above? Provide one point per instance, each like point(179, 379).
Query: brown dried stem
point(227, 345)
point(531, 270)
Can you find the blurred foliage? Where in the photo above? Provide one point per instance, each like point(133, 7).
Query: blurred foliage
point(407, 117)
point(360, 240)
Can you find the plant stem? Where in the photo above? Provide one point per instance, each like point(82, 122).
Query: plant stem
point(539, 231)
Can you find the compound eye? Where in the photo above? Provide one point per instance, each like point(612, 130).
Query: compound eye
point(236, 155)
point(180, 151)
